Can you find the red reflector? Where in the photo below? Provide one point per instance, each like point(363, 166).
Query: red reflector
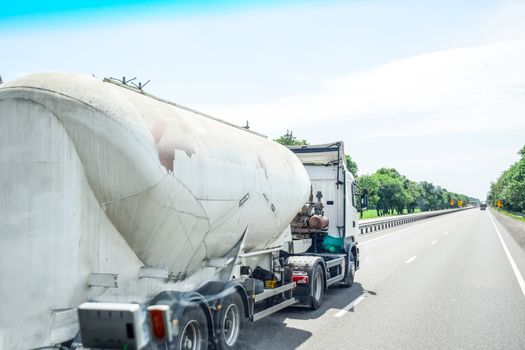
point(157, 324)
point(300, 279)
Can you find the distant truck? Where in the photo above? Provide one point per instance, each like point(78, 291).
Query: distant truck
point(483, 206)
point(132, 222)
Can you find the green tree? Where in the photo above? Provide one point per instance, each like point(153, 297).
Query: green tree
point(444, 197)
point(351, 165)
point(289, 139)
point(432, 197)
point(371, 183)
point(510, 186)
point(413, 193)
point(392, 195)
point(514, 191)
point(391, 192)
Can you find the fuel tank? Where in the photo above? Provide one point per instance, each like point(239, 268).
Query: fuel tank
point(101, 182)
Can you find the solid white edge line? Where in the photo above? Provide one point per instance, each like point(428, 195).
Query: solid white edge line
point(411, 259)
point(393, 233)
point(515, 269)
point(354, 302)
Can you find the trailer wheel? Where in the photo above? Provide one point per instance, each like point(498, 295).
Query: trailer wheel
point(348, 281)
point(230, 321)
point(193, 328)
point(317, 288)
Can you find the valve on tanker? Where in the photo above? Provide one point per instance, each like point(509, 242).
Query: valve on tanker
point(312, 214)
point(318, 221)
point(318, 206)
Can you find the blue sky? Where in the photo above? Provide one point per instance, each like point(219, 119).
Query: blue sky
point(433, 88)
point(41, 8)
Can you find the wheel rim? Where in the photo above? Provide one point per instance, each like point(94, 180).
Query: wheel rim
point(191, 336)
point(230, 325)
point(317, 286)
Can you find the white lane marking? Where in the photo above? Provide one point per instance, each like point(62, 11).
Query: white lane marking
point(515, 269)
point(446, 233)
point(393, 233)
point(354, 302)
point(411, 259)
point(433, 242)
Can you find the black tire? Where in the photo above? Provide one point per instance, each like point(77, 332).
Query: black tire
point(230, 322)
point(193, 329)
point(348, 281)
point(317, 287)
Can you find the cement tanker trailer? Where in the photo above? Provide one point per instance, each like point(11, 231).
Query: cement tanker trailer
point(128, 221)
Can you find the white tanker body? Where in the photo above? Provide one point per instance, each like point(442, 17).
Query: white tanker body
point(111, 195)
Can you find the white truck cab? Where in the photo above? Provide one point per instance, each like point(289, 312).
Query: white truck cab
point(326, 167)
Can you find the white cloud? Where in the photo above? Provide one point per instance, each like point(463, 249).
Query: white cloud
point(453, 117)
point(467, 89)
point(504, 23)
point(413, 114)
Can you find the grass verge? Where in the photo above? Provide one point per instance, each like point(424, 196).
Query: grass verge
point(372, 213)
point(513, 215)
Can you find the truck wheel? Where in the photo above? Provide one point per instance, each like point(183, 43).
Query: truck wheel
point(193, 328)
point(348, 281)
point(317, 287)
point(230, 321)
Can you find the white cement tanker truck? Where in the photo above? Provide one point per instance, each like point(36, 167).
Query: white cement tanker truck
point(128, 221)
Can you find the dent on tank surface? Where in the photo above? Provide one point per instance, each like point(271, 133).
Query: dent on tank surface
point(101, 181)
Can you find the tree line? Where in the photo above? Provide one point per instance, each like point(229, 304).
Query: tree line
point(390, 192)
point(510, 186)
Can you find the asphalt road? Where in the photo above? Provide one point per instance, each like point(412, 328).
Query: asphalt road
point(442, 283)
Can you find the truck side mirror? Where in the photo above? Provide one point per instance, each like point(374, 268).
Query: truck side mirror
point(364, 200)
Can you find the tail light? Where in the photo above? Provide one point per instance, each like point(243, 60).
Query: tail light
point(300, 277)
point(160, 323)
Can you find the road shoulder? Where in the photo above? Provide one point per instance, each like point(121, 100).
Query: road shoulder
point(514, 227)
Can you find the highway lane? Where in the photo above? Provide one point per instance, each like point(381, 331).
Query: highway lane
point(442, 283)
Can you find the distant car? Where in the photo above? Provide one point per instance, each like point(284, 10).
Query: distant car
point(483, 206)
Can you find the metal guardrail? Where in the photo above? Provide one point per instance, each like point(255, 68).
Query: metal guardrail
point(372, 225)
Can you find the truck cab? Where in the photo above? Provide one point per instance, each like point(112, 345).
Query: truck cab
point(326, 168)
point(325, 231)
